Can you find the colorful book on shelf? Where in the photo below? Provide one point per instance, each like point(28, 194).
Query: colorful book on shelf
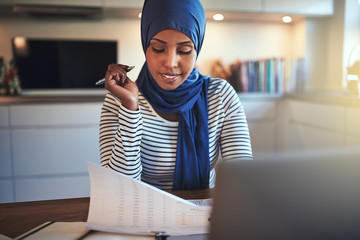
point(244, 77)
point(270, 76)
point(262, 85)
point(273, 75)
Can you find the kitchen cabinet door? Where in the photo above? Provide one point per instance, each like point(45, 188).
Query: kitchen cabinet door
point(124, 4)
point(233, 5)
point(70, 3)
point(306, 7)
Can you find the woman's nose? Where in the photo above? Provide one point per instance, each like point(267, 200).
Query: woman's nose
point(171, 59)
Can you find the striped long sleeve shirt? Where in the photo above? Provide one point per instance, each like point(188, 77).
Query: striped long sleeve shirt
point(141, 144)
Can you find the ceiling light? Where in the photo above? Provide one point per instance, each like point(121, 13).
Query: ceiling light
point(218, 17)
point(139, 15)
point(20, 42)
point(286, 19)
point(21, 46)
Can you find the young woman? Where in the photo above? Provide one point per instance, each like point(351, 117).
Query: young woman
point(172, 126)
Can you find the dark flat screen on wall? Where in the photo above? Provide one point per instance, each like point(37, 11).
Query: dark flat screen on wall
point(62, 64)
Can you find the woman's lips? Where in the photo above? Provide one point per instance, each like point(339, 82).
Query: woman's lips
point(169, 77)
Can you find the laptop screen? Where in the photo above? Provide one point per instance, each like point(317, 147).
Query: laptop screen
point(294, 195)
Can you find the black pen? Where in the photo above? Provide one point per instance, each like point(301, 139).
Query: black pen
point(87, 233)
point(160, 235)
point(102, 81)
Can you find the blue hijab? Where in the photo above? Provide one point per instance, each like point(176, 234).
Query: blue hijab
point(189, 100)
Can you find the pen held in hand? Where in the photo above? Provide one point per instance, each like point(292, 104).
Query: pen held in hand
point(102, 81)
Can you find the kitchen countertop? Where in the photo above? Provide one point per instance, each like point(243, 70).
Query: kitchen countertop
point(48, 99)
point(50, 96)
point(333, 98)
point(330, 98)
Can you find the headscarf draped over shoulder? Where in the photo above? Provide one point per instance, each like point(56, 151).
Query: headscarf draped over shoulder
point(189, 100)
point(186, 16)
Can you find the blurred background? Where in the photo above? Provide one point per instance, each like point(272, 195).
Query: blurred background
point(295, 65)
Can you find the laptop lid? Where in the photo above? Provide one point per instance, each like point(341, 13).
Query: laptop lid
point(294, 195)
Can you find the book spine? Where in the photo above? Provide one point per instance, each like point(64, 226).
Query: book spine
point(272, 75)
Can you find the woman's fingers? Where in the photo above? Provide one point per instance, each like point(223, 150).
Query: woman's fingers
point(118, 73)
point(111, 75)
point(117, 82)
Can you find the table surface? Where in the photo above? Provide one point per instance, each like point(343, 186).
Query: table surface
point(18, 218)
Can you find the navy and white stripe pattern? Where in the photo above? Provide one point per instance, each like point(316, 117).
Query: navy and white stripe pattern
point(141, 144)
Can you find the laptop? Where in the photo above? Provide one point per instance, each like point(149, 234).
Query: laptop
point(292, 195)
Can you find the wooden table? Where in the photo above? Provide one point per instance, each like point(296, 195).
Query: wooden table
point(18, 218)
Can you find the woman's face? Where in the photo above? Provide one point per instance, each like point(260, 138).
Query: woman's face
point(171, 57)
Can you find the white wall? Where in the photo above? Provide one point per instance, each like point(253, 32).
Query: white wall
point(335, 47)
point(228, 41)
point(328, 44)
point(324, 40)
point(125, 31)
point(352, 30)
point(299, 39)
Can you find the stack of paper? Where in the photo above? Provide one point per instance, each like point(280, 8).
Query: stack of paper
point(121, 204)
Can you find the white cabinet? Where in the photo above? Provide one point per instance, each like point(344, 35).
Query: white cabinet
point(302, 136)
point(47, 145)
point(259, 110)
point(262, 117)
point(321, 125)
point(353, 121)
point(6, 191)
point(314, 125)
point(325, 116)
point(124, 4)
point(4, 116)
point(233, 5)
point(225, 5)
point(83, 3)
point(5, 154)
point(48, 151)
point(263, 136)
point(55, 187)
point(305, 7)
point(352, 126)
point(6, 184)
point(55, 114)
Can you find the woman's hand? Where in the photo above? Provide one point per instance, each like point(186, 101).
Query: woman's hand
point(117, 82)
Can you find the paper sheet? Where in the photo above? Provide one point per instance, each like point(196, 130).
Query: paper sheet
point(121, 204)
point(55, 231)
point(74, 231)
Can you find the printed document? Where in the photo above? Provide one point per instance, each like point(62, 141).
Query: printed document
point(121, 204)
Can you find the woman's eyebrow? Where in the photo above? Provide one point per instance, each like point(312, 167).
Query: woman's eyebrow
point(156, 39)
point(180, 43)
point(186, 42)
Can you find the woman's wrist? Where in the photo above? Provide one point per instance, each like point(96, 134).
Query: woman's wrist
point(131, 103)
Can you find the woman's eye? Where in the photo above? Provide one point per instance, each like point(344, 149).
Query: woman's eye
point(184, 52)
point(158, 50)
